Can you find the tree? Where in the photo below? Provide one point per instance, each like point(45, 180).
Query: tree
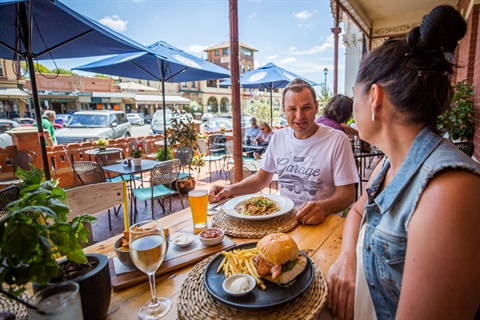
point(260, 109)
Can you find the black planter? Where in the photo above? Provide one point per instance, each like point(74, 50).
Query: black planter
point(95, 289)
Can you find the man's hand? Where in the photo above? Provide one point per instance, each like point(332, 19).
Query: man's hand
point(217, 193)
point(311, 213)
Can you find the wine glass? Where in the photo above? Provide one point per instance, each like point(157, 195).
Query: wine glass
point(147, 249)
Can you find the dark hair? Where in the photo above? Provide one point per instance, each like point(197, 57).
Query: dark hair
point(415, 70)
point(339, 108)
point(297, 85)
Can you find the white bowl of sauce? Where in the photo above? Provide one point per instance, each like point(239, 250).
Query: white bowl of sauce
point(183, 240)
point(239, 284)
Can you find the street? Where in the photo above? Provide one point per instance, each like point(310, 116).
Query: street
point(140, 131)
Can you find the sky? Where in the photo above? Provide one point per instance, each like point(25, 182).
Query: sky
point(293, 34)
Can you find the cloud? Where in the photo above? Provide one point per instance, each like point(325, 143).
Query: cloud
point(292, 49)
point(252, 15)
point(288, 60)
point(197, 48)
point(272, 57)
point(304, 15)
point(327, 45)
point(114, 22)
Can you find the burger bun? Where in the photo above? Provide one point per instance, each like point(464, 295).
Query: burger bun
point(286, 277)
point(278, 248)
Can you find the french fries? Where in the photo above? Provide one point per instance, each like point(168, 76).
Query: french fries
point(240, 261)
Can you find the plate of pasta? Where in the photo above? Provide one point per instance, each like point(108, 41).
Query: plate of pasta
point(258, 206)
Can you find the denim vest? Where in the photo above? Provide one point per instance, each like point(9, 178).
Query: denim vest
point(388, 213)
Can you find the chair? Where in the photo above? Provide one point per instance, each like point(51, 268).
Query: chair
point(8, 195)
point(231, 174)
point(185, 155)
point(95, 198)
point(22, 159)
point(217, 138)
point(230, 152)
point(208, 156)
point(108, 157)
point(162, 175)
point(88, 172)
point(466, 146)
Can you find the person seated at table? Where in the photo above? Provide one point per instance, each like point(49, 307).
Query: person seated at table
point(315, 164)
point(250, 133)
point(263, 138)
point(410, 243)
point(336, 114)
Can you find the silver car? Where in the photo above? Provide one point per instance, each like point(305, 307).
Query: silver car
point(94, 125)
point(5, 138)
point(136, 118)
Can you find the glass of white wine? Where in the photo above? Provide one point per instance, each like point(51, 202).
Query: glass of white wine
point(147, 249)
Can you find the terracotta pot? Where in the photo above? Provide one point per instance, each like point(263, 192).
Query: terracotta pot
point(185, 185)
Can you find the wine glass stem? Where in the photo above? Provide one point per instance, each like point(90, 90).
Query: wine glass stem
point(153, 289)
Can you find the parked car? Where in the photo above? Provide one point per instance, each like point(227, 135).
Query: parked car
point(283, 120)
point(157, 121)
point(206, 116)
point(62, 118)
point(136, 118)
point(29, 122)
point(94, 125)
point(214, 124)
point(5, 138)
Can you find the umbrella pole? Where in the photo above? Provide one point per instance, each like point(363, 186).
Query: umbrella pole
point(165, 147)
point(271, 108)
point(36, 105)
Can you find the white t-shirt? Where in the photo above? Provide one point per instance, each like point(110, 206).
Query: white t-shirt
point(309, 169)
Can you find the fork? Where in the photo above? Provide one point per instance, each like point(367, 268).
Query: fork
point(216, 208)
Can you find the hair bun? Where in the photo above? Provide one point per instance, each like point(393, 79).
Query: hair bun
point(441, 29)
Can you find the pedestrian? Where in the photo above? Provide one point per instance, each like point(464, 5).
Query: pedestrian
point(410, 243)
point(315, 165)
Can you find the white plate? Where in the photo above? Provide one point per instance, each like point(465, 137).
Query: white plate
point(283, 203)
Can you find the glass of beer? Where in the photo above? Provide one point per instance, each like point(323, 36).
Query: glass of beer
point(148, 247)
point(198, 200)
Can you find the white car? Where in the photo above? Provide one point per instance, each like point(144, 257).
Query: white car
point(5, 138)
point(135, 118)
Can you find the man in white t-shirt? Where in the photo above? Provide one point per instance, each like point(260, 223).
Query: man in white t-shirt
point(315, 164)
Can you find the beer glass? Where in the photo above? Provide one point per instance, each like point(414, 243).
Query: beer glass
point(198, 200)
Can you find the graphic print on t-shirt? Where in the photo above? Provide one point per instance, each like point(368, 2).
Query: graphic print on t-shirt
point(299, 175)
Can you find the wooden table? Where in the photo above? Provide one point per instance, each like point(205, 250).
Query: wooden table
point(321, 242)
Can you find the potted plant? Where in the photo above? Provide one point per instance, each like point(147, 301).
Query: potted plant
point(459, 120)
point(161, 156)
point(183, 130)
point(136, 153)
point(36, 232)
point(102, 144)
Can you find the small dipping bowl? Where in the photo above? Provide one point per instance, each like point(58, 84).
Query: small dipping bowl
point(183, 240)
point(239, 284)
point(211, 236)
point(122, 255)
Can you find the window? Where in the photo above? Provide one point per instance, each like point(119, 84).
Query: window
point(194, 85)
point(224, 105)
point(246, 52)
point(184, 84)
point(217, 52)
point(1, 68)
point(225, 51)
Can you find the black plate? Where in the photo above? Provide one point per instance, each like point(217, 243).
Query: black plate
point(258, 298)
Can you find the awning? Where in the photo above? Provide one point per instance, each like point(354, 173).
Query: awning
point(159, 98)
point(133, 86)
point(12, 93)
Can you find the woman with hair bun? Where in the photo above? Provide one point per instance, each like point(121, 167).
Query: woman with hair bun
point(410, 243)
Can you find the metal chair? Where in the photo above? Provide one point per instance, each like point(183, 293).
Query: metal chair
point(162, 175)
point(108, 157)
point(88, 173)
point(466, 146)
point(146, 147)
point(185, 155)
point(22, 159)
point(8, 195)
point(230, 153)
point(208, 156)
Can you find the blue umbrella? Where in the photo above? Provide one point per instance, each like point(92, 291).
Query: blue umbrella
point(47, 29)
point(268, 77)
point(161, 62)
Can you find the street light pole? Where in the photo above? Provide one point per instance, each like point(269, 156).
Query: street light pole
point(325, 72)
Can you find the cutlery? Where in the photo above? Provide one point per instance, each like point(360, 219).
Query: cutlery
point(214, 209)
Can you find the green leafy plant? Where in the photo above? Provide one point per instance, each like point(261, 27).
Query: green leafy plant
point(459, 120)
point(136, 151)
point(32, 177)
point(197, 162)
point(182, 130)
point(35, 230)
point(161, 154)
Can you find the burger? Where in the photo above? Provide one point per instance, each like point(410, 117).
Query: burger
point(279, 259)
